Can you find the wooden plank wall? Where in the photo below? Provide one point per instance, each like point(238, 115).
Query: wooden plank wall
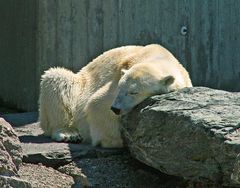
point(71, 33)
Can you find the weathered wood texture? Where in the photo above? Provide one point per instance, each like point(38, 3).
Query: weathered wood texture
point(71, 33)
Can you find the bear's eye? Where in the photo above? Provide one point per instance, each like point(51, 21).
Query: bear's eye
point(133, 93)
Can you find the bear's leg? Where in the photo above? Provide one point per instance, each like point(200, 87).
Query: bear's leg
point(103, 123)
point(106, 134)
point(43, 119)
point(67, 135)
point(95, 136)
point(56, 121)
point(109, 142)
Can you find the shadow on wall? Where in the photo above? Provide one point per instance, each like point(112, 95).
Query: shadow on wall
point(19, 119)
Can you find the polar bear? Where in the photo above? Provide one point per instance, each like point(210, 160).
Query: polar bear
point(85, 107)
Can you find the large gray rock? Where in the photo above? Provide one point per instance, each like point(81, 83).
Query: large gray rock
point(10, 157)
point(193, 133)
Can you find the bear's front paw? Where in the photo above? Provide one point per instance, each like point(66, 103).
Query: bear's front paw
point(71, 136)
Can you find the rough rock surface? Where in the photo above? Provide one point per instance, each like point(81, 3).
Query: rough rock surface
point(193, 133)
point(10, 157)
point(13, 182)
point(41, 176)
point(11, 152)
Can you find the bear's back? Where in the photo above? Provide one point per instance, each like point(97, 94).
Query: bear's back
point(107, 67)
point(113, 61)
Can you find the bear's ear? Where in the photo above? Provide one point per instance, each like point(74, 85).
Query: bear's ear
point(168, 80)
point(123, 71)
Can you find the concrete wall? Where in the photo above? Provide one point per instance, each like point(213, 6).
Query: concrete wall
point(72, 32)
point(18, 54)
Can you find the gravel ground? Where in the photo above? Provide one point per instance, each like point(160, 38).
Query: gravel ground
point(44, 177)
point(119, 171)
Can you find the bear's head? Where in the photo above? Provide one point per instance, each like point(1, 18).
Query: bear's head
point(138, 83)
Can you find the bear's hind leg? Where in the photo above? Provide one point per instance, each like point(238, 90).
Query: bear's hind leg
point(67, 135)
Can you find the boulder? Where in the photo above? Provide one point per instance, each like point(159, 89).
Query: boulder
point(193, 133)
point(10, 157)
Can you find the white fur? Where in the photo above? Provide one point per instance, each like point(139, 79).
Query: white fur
point(76, 107)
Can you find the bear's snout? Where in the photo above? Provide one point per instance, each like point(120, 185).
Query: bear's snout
point(115, 110)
